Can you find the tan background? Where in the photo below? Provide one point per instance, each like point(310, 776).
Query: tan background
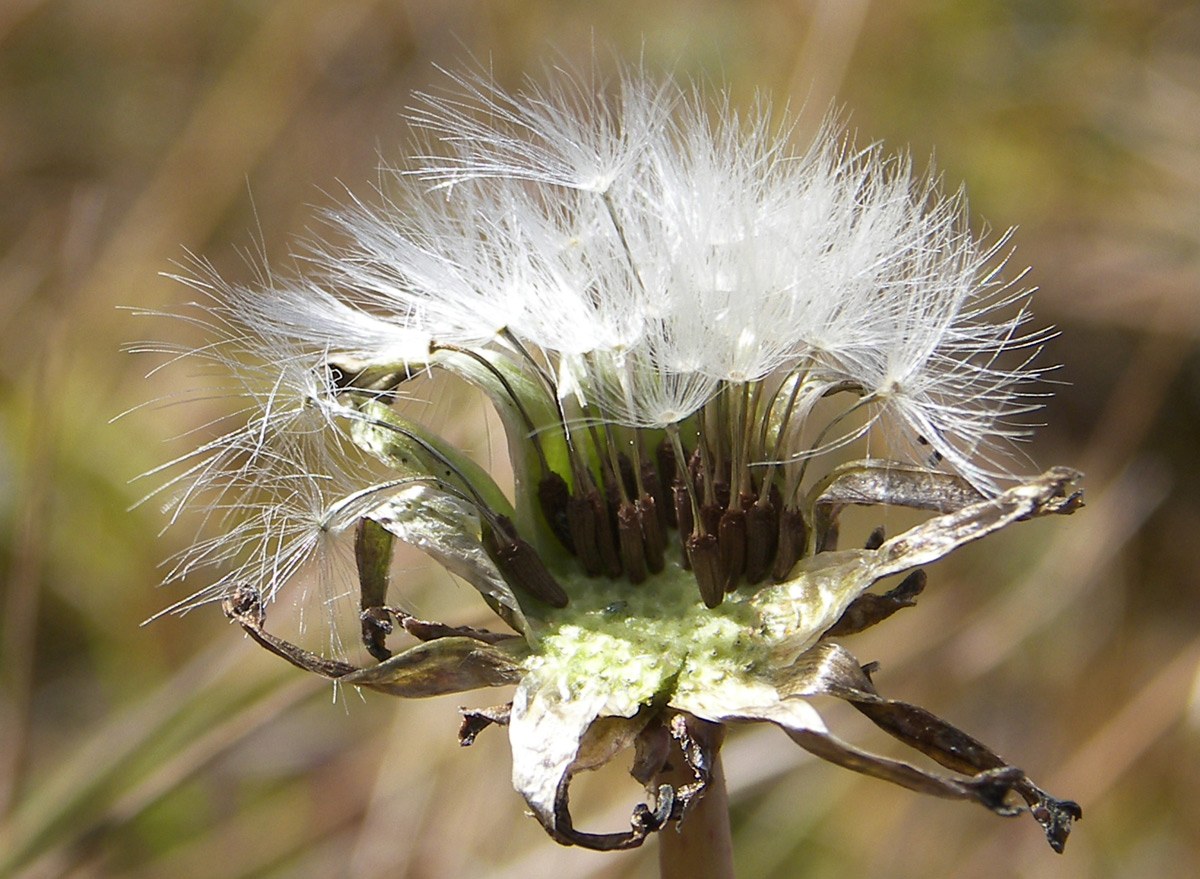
point(131, 130)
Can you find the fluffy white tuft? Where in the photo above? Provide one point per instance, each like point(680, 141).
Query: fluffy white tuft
point(638, 248)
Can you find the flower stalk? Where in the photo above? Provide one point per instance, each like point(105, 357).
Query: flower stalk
point(703, 347)
point(702, 845)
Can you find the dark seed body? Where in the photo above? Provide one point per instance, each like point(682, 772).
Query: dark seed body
point(793, 539)
point(581, 518)
point(668, 467)
point(553, 496)
point(762, 538)
point(520, 564)
point(653, 488)
point(705, 554)
point(683, 518)
point(633, 551)
point(618, 526)
point(523, 568)
point(731, 537)
point(710, 517)
point(654, 532)
point(606, 538)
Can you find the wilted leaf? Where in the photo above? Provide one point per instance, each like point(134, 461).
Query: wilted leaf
point(830, 669)
point(797, 612)
point(447, 665)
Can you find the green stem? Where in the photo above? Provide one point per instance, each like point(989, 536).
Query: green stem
point(702, 846)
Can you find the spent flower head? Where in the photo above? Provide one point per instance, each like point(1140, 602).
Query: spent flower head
point(690, 330)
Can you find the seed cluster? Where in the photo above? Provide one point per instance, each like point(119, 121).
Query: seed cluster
point(735, 523)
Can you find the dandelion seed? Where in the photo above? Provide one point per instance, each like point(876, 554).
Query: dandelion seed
point(686, 326)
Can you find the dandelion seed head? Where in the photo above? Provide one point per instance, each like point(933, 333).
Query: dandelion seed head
point(688, 326)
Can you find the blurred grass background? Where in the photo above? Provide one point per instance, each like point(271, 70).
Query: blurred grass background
point(131, 130)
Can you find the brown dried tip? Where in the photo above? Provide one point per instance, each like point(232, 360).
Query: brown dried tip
point(476, 720)
point(871, 608)
point(376, 626)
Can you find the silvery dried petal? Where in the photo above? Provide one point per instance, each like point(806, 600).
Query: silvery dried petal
point(448, 530)
point(447, 665)
point(796, 613)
